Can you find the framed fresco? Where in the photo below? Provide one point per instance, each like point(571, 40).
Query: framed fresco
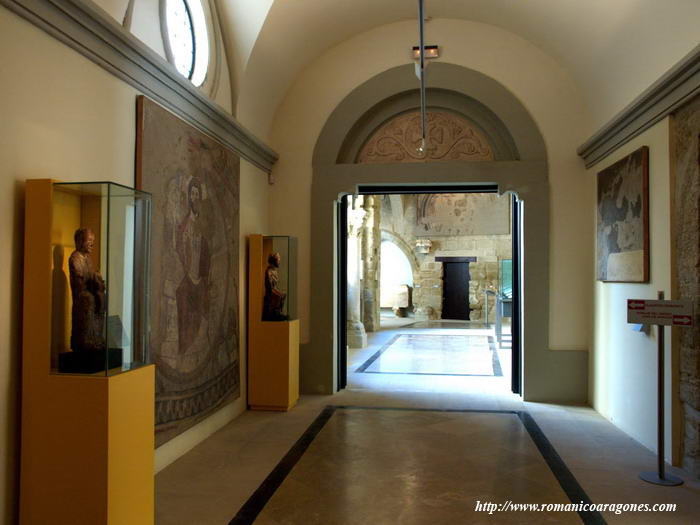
point(623, 220)
point(457, 214)
point(194, 338)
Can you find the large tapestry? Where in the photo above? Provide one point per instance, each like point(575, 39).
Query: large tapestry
point(194, 342)
point(623, 220)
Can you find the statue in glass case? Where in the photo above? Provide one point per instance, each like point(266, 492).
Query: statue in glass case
point(88, 293)
point(273, 302)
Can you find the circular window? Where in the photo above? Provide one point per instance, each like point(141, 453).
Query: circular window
point(187, 38)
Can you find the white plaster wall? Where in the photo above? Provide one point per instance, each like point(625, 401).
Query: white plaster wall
point(543, 87)
point(223, 94)
point(115, 8)
point(623, 362)
point(145, 24)
point(81, 129)
point(241, 22)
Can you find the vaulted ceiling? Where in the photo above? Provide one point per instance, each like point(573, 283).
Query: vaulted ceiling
point(613, 49)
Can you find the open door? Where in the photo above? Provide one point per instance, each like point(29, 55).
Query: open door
point(341, 277)
point(516, 236)
point(342, 292)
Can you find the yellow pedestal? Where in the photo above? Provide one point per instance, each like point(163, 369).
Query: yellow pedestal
point(273, 346)
point(87, 440)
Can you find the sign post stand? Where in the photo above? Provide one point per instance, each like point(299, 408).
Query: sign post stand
point(662, 313)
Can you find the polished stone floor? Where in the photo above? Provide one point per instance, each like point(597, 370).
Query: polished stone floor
point(406, 465)
point(449, 378)
point(466, 355)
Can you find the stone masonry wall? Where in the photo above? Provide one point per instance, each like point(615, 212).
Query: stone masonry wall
point(399, 216)
point(488, 250)
point(686, 153)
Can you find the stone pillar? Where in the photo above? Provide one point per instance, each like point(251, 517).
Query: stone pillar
point(356, 335)
point(371, 246)
point(427, 292)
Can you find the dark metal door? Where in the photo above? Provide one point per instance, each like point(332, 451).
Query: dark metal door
point(342, 216)
point(455, 290)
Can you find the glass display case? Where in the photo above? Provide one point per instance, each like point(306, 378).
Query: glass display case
point(280, 278)
point(505, 278)
point(99, 286)
point(505, 296)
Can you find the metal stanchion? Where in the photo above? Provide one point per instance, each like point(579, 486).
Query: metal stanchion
point(486, 306)
point(660, 477)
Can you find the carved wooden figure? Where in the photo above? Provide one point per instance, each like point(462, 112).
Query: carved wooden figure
point(273, 302)
point(88, 293)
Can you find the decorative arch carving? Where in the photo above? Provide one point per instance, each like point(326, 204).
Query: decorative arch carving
point(450, 138)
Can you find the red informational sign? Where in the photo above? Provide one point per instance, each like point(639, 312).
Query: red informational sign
point(670, 313)
point(683, 320)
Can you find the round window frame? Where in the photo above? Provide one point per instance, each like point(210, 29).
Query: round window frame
point(211, 79)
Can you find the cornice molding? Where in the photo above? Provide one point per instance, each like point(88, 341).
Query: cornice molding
point(85, 27)
point(672, 90)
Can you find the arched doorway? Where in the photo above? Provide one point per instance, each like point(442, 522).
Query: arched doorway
point(520, 168)
point(396, 277)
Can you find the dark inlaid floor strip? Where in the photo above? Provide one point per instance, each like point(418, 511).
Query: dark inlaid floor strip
point(364, 366)
point(564, 476)
point(255, 504)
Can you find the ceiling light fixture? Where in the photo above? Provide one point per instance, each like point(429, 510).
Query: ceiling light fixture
point(430, 52)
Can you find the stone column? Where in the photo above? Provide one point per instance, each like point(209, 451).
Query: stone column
point(371, 245)
point(427, 291)
point(356, 335)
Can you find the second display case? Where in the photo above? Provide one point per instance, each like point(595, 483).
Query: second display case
point(273, 330)
point(280, 296)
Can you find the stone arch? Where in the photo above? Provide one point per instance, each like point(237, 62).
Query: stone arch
point(546, 375)
point(407, 250)
point(404, 248)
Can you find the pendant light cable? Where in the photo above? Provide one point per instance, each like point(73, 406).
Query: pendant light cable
point(421, 67)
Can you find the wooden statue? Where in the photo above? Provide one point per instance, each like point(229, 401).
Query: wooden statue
point(88, 293)
point(273, 302)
